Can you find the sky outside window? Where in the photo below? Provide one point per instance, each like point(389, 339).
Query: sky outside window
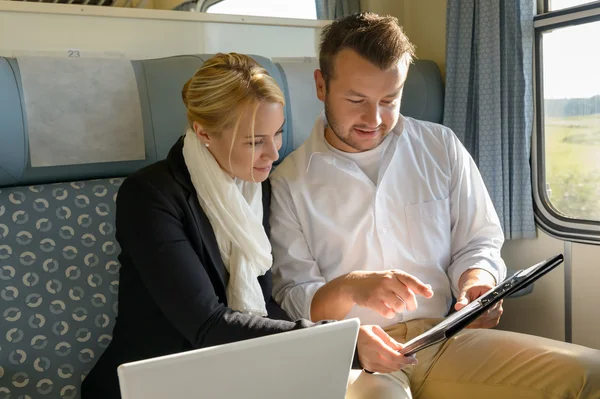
point(304, 9)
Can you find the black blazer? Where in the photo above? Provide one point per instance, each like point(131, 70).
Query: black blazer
point(172, 280)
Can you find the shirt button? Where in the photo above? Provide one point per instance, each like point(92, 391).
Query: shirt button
point(384, 231)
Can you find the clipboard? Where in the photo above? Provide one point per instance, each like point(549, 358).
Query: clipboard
point(462, 318)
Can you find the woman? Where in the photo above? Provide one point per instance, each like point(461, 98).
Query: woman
point(193, 228)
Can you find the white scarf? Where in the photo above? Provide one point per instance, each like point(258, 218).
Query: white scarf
point(235, 211)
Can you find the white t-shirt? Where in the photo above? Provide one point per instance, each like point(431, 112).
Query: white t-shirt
point(368, 161)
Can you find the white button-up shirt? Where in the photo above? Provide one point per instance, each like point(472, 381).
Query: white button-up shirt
point(429, 215)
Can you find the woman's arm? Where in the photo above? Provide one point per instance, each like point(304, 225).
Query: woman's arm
point(150, 229)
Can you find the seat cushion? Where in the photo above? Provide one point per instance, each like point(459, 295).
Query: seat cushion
point(58, 285)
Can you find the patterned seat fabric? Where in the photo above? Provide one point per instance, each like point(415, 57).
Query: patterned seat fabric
point(58, 285)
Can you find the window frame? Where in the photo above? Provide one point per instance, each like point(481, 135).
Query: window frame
point(548, 219)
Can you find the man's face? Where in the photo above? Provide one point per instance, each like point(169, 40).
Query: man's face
point(362, 102)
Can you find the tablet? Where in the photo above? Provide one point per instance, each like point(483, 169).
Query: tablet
point(462, 318)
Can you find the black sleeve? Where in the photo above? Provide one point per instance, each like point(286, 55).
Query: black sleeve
point(150, 229)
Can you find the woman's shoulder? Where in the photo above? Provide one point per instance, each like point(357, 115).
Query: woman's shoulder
point(156, 179)
point(156, 174)
point(165, 175)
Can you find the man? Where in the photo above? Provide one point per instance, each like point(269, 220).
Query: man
point(383, 217)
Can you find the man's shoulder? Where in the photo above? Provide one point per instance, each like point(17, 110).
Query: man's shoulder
point(293, 166)
point(429, 132)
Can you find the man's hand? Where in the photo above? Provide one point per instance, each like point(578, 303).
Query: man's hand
point(378, 352)
point(474, 283)
point(387, 292)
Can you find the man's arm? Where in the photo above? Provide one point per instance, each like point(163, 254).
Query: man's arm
point(296, 275)
point(387, 292)
point(333, 300)
point(297, 281)
point(477, 236)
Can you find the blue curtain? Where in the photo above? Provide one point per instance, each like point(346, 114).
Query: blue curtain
point(489, 100)
point(333, 9)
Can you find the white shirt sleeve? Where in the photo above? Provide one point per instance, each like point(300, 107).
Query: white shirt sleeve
point(477, 235)
point(296, 275)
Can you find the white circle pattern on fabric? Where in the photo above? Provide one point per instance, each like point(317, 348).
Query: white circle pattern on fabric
point(73, 273)
point(63, 213)
point(57, 307)
point(83, 335)
point(60, 194)
point(14, 335)
point(82, 201)
point(24, 237)
point(27, 258)
point(7, 272)
point(5, 252)
point(20, 217)
point(20, 380)
point(88, 240)
point(47, 245)
point(3, 230)
point(68, 392)
point(41, 205)
point(44, 225)
point(91, 260)
point(34, 300)
point(66, 232)
point(76, 293)
point(36, 189)
point(12, 314)
point(41, 364)
point(50, 265)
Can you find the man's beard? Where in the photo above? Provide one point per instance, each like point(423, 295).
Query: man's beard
point(336, 129)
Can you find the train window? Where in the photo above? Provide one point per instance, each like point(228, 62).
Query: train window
point(567, 145)
point(302, 9)
point(554, 5)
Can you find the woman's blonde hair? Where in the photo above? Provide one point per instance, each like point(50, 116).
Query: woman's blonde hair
point(226, 87)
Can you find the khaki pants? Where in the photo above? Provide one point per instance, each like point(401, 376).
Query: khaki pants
point(488, 364)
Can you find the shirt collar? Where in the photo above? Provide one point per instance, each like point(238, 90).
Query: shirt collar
point(318, 147)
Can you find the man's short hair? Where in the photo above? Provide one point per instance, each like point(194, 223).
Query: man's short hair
point(375, 38)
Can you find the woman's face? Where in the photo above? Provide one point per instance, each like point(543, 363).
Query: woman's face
point(251, 158)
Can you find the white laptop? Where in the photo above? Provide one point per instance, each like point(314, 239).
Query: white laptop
point(309, 363)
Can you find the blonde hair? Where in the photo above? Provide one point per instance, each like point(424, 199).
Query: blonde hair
point(226, 87)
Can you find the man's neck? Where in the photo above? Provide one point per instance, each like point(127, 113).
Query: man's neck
point(334, 141)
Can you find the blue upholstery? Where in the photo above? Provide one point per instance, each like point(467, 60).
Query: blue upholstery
point(165, 78)
point(423, 96)
point(58, 253)
point(14, 162)
point(58, 284)
point(12, 131)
